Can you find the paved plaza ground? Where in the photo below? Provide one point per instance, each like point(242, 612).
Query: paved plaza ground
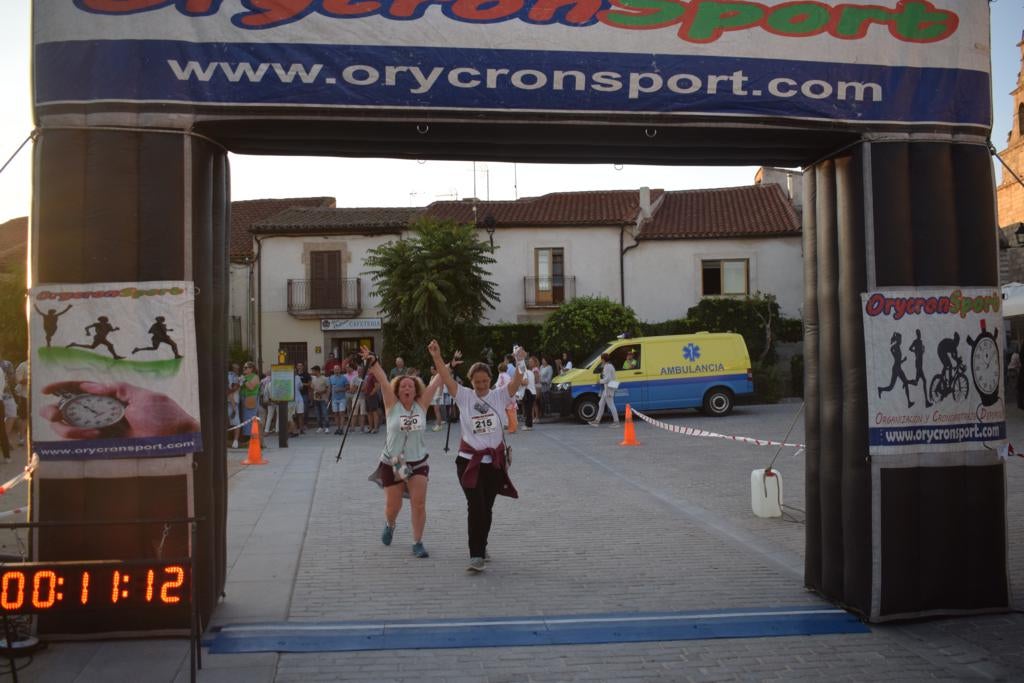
point(598, 528)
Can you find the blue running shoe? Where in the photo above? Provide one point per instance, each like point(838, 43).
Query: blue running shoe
point(387, 535)
point(419, 551)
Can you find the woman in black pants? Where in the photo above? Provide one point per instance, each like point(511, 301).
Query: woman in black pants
point(5, 444)
point(482, 464)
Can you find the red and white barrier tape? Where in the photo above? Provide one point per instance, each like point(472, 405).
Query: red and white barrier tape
point(1006, 451)
point(254, 418)
point(26, 473)
point(689, 431)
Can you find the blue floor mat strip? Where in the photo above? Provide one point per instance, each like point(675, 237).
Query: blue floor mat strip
point(523, 631)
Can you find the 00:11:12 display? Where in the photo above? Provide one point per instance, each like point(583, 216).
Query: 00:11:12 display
point(33, 588)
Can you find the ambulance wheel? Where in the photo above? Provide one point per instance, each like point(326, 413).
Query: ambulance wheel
point(586, 408)
point(718, 402)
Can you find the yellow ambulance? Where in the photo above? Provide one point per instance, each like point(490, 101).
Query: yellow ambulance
point(704, 370)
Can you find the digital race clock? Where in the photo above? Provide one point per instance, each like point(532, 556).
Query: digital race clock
point(49, 587)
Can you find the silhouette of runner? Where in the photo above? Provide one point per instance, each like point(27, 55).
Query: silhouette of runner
point(158, 335)
point(50, 321)
point(102, 328)
point(897, 368)
point(917, 348)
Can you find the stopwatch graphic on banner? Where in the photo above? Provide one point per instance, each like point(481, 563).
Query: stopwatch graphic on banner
point(114, 371)
point(934, 370)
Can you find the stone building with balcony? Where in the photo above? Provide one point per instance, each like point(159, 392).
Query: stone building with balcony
point(551, 248)
point(242, 306)
point(314, 298)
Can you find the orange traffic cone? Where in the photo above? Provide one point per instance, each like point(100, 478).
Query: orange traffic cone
point(513, 421)
point(628, 434)
point(255, 455)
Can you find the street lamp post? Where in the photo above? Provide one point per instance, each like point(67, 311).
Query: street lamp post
point(488, 224)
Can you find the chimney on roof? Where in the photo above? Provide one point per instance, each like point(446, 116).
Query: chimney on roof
point(645, 202)
point(789, 180)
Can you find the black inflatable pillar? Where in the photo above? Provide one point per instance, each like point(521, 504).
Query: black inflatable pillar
point(894, 536)
point(119, 206)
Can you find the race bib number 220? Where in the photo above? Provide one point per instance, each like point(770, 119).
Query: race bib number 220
point(411, 423)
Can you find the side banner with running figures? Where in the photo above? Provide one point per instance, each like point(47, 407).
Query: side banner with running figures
point(114, 371)
point(934, 370)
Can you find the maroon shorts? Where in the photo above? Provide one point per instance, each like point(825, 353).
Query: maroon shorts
point(385, 476)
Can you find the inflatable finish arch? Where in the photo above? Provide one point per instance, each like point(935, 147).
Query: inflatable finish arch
point(887, 104)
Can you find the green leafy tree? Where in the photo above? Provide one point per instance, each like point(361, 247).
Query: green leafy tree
point(755, 317)
point(432, 286)
point(13, 326)
point(580, 325)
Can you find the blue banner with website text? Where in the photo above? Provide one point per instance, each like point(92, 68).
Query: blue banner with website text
point(369, 76)
point(921, 63)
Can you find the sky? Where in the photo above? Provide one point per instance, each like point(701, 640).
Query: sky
point(402, 183)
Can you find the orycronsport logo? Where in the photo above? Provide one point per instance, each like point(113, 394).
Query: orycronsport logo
point(695, 21)
point(126, 292)
point(956, 303)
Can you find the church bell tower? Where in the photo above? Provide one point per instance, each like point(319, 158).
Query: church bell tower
point(1010, 193)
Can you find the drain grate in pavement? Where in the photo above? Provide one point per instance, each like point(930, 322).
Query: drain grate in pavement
point(524, 631)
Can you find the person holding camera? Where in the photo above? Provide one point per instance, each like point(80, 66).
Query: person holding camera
point(403, 463)
point(482, 464)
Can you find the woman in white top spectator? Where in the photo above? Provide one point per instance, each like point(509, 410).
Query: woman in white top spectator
point(436, 403)
point(531, 409)
point(234, 384)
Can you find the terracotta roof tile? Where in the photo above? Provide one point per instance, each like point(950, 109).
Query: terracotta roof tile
point(381, 220)
point(605, 207)
point(749, 211)
point(13, 243)
point(245, 213)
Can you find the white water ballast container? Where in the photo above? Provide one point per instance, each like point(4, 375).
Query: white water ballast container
point(766, 493)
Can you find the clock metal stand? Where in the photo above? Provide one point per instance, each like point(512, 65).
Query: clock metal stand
point(52, 581)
